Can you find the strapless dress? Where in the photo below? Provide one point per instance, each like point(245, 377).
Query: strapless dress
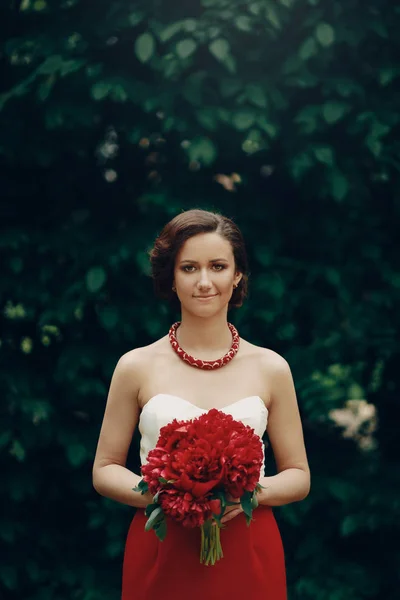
point(253, 563)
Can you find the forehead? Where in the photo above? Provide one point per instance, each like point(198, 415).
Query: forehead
point(206, 246)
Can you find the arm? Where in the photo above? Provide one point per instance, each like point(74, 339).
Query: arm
point(110, 476)
point(292, 483)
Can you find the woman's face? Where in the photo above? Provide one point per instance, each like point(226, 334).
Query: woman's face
point(204, 274)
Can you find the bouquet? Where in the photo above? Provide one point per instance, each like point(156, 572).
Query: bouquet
point(194, 472)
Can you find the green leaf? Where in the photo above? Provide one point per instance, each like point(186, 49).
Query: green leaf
point(70, 66)
point(136, 17)
point(95, 279)
point(189, 25)
point(220, 48)
point(243, 23)
point(155, 515)
point(308, 49)
point(334, 111)
point(202, 150)
point(118, 93)
point(50, 65)
point(8, 576)
point(160, 529)
point(267, 126)
point(108, 316)
point(324, 154)
point(254, 141)
point(230, 87)
point(375, 146)
point(300, 164)
point(272, 16)
point(256, 95)
point(339, 184)
point(325, 34)
point(150, 508)
point(169, 31)
point(307, 118)
point(230, 64)
point(44, 89)
point(100, 90)
point(246, 503)
point(142, 486)
point(388, 74)
point(379, 129)
point(144, 47)
point(208, 118)
point(255, 8)
point(185, 48)
point(18, 450)
point(254, 501)
point(349, 525)
point(5, 438)
point(77, 454)
point(243, 119)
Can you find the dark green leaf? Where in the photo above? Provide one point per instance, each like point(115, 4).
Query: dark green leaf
point(185, 48)
point(243, 119)
point(334, 111)
point(246, 503)
point(144, 47)
point(220, 48)
point(256, 95)
point(95, 279)
point(155, 516)
point(151, 508)
point(160, 528)
point(325, 34)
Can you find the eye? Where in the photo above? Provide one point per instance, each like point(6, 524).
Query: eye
point(191, 268)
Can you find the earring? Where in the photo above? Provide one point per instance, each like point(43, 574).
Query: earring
point(235, 285)
point(173, 288)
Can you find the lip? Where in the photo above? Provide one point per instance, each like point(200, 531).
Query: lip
point(205, 297)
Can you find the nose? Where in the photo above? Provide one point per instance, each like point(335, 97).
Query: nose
point(204, 282)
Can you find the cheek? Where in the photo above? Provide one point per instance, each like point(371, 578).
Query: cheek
point(225, 282)
point(183, 281)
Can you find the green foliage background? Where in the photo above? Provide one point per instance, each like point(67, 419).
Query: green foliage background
point(282, 114)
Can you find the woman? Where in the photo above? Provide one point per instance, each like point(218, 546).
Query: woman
point(199, 260)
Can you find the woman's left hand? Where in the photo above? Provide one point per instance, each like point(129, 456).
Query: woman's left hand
point(232, 511)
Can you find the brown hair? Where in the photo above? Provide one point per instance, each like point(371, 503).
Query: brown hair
point(174, 235)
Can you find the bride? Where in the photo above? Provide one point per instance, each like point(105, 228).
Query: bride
point(199, 262)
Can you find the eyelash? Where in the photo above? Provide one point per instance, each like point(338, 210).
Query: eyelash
point(186, 267)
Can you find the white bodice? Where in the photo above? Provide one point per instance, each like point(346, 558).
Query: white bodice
point(163, 408)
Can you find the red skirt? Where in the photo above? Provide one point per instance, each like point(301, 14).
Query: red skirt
point(253, 564)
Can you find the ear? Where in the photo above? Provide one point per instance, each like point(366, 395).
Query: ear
point(238, 277)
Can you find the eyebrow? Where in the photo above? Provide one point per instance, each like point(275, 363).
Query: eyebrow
point(211, 261)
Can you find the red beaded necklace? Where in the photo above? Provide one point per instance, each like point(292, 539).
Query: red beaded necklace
point(205, 364)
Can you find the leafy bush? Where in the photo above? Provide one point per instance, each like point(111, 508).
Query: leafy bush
point(281, 114)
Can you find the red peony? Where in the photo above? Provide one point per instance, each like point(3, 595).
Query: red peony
point(195, 467)
point(185, 508)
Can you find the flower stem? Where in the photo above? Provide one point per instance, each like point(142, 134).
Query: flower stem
point(211, 549)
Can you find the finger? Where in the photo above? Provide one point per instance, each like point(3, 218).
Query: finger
point(231, 515)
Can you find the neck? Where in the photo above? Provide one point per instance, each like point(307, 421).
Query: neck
point(203, 337)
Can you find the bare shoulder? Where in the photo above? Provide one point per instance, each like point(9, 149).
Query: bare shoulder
point(271, 362)
point(135, 361)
